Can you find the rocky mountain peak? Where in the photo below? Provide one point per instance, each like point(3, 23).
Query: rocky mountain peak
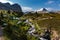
point(8, 6)
point(44, 9)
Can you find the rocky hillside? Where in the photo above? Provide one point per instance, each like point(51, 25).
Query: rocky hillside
point(8, 6)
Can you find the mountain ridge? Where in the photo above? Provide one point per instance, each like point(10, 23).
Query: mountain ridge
point(8, 6)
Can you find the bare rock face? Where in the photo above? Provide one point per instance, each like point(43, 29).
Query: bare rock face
point(7, 6)
point(44, 9)
point(16, 7)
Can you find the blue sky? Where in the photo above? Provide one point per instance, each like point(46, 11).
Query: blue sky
point(28, 5)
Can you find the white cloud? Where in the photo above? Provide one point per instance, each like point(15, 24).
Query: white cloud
point(50, 2)
point(40, 9)
point(5, 1)
point(27, 9)
point(49, 9)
